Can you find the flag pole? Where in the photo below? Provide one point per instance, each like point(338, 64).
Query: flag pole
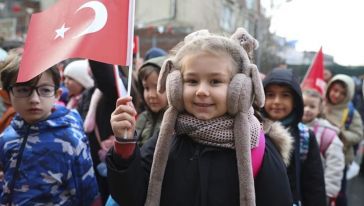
point(129, 55)
point(121, 90)
point(119, 85)
point(130, 44)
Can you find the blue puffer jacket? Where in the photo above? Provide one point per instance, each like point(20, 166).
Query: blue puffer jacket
point(56, 167)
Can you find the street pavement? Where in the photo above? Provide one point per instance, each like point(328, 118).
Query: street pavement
point(356, 191)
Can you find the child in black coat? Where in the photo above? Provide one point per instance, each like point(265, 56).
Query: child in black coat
point(284, 103)
point(209, 139)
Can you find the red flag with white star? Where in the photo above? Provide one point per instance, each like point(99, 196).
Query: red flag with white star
point(101, 30)
point(314, 78)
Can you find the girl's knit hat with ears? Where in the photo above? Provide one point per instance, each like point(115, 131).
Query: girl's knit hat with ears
point(244, 89)
point(79, 71)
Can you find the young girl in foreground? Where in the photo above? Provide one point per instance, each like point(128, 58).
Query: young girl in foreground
point(208, 135)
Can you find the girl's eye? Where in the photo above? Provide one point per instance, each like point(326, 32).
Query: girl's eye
point(190, 81)
point(216, 81)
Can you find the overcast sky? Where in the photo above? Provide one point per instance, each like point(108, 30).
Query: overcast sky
point(336, 25)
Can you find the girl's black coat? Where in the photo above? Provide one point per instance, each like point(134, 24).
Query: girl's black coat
point(196, 175)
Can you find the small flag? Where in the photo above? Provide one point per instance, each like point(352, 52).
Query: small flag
point(94, 29)
point(314, 78)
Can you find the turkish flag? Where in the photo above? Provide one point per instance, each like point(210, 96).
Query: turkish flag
point(99, 29)
point(314, 78)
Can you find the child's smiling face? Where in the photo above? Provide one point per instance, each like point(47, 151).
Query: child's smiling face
point(337, 93)
point(312, 106)
point(279, 101)
point(206, 79)
point(155, 100)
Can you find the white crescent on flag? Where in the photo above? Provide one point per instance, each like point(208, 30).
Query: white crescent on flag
point(100, 17)
point(97, 24)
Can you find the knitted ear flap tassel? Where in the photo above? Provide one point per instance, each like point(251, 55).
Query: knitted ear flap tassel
point(161, 152)
point(160, 157)
point(243, 156)
point(246, 134)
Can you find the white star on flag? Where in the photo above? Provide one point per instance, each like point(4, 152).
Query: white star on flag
point(60, 32)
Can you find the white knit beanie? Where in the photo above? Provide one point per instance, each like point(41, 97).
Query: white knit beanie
point(78, 70)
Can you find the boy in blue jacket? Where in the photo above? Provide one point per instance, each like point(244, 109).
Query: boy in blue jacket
point(44, 152)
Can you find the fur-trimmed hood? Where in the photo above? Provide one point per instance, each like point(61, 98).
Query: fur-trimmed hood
point(281, 138)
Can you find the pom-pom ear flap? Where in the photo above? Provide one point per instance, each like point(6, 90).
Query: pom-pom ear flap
point(248, 42)
point(239, 97)
point(257, 85)
point(244, 39)
point(175, 90)
point(167, 67)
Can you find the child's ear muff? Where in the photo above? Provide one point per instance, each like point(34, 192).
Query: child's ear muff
point(166, 68)
point(175, 90)
point(257, 85)
point(170, 81)
point(240, 94)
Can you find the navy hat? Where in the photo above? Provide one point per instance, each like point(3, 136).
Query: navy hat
point(154, 52)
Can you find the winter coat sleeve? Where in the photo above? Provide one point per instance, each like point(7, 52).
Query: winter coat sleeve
point(334, 167)
point(104, 78)
point(128, 178)
point(105, 82)
point(140, 124)
point(354, 133)
point(312, 176)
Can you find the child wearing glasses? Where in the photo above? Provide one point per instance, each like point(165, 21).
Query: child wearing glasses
point(44, 151)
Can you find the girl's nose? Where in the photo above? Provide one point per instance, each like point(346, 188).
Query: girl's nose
point(202, 89)
point(152, 93)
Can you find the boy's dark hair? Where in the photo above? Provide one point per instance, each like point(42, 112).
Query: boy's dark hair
point(10, 69)
point(144, 73)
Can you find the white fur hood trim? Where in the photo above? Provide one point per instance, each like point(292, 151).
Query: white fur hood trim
point(281, 138)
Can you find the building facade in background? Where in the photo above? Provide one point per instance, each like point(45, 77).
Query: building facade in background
point(170, 20)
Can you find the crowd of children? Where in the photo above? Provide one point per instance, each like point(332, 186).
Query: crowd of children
point(209, 131)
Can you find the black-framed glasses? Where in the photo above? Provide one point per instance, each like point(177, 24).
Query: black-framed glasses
point(22, 91)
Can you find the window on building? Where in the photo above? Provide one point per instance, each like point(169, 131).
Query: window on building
point(227, 20)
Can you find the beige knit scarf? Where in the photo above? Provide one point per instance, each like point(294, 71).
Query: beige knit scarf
point(216, 132)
